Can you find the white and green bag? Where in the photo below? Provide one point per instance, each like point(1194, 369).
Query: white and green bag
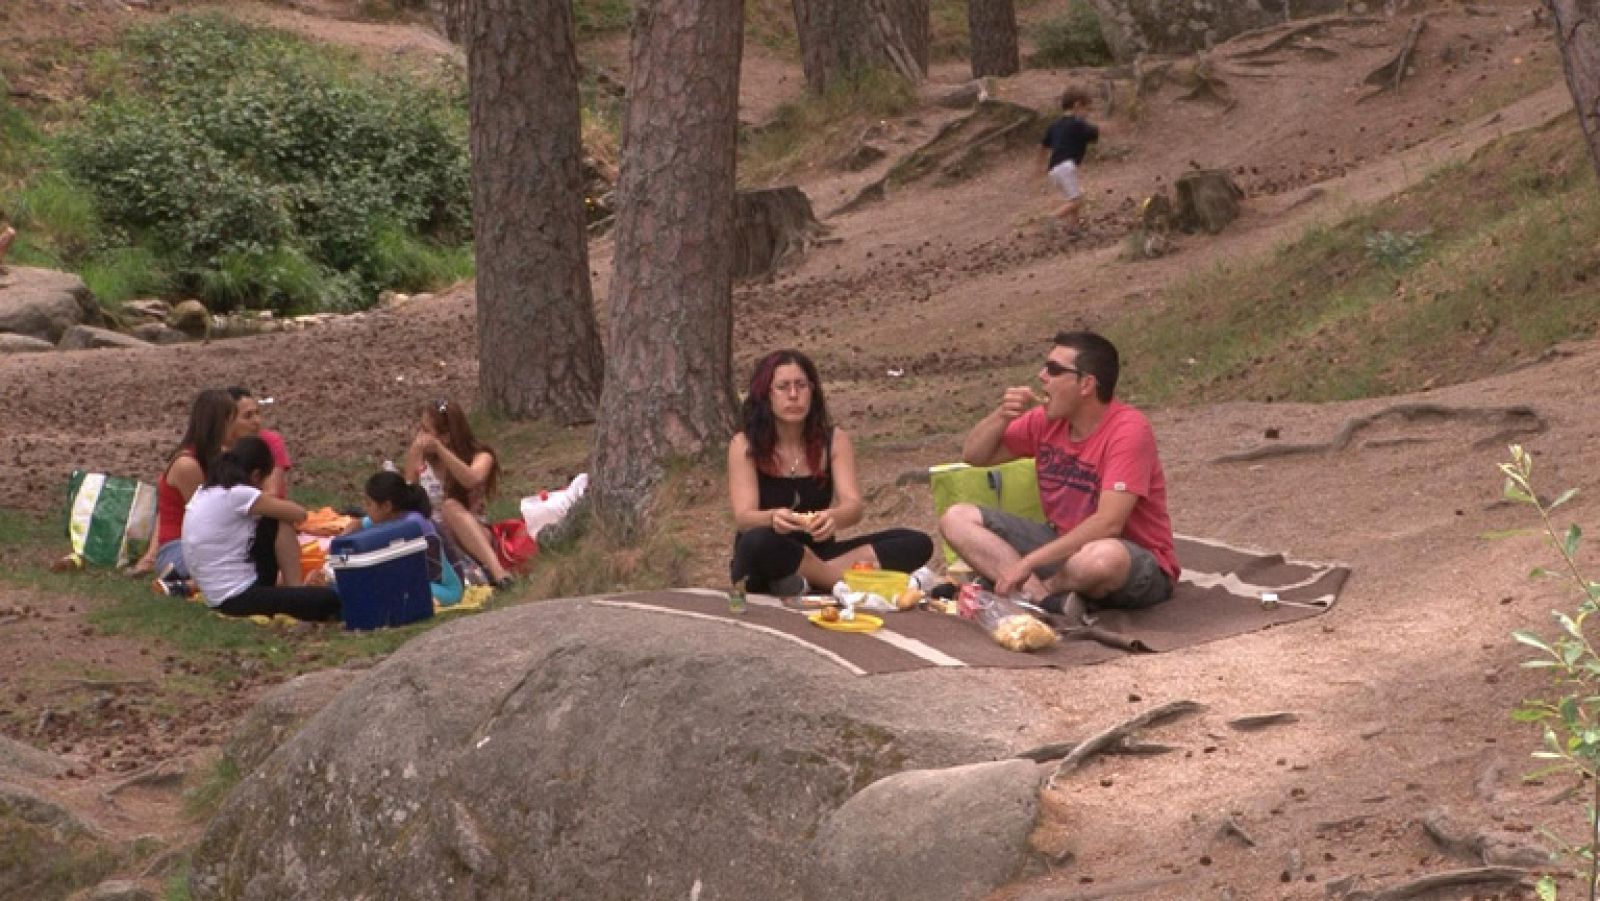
point(110, 519)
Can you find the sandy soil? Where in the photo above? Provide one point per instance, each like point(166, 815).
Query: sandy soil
point(1402, 692)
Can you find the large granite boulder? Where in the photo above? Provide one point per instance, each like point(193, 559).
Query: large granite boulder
point(44, 303)
point(1132, 27)
point(280, 713)
point(571, 749)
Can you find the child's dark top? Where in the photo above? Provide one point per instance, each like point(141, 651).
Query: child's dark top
point(1069, 138)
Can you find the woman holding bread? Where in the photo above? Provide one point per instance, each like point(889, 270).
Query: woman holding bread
point(792, 484)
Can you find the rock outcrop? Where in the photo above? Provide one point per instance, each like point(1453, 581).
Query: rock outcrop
point(87, 337)
point(571, 749)
point(44, 303)
point(1132, 27)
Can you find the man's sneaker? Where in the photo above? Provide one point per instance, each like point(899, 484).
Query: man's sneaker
point(791, 586)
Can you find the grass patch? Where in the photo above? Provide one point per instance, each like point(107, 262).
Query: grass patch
point(201, 802)
point(1480, 265)
point(126, 273)
point(821, 127)
point(38, 861)
point(600, 18)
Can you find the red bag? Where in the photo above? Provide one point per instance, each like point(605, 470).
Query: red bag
point(512, 544)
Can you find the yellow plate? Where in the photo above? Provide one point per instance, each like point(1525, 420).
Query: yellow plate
point(864, 622)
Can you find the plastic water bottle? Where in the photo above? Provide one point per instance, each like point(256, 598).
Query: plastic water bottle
point(736, 600)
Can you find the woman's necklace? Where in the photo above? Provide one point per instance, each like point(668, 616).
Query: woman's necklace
point(794, 463)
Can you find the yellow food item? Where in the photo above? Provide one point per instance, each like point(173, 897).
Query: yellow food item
point(1021, 632)
point(908, 598)
point(830, 614)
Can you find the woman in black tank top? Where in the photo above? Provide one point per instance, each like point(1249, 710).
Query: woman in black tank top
point(792, 484)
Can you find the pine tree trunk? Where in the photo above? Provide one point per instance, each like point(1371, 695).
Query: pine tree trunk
point(450, 16)
point(1577, 24)
point(669, 376)
point(992, 25)
point(538, 346)
point(841, 37)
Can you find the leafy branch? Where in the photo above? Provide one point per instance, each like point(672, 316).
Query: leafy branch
point(1572, 720)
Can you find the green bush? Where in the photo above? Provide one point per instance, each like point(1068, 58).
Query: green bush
point(1072, 38)
point(268, 171)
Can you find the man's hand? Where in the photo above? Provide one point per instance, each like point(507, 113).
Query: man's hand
point(1015, 402)
point(1015, 576)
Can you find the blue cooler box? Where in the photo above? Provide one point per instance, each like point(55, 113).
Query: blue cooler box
point(382, 575)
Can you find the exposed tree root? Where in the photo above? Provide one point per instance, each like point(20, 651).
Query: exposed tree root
point(1449, 879)
point(1389, 75)
point(1097, 744)
point(1290, 33)
point(1518, 420)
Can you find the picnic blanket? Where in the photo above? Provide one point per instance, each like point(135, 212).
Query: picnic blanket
point(1218, 595)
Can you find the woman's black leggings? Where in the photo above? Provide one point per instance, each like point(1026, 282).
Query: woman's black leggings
point(762, 556)
point(267, 597)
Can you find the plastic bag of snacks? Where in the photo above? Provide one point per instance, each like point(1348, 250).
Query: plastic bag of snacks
point(1011, 626)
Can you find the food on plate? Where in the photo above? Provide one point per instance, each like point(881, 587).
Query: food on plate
point(909, 598)
point(1021, 632)
point(830, 614)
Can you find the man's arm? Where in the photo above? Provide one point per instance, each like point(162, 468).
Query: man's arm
point(985, 444)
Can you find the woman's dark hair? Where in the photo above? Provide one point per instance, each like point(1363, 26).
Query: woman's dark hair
point(241, 464)
point(238, 393)
point(449, 422)
point(760, 427)
point(208, 426)
point(391, 488)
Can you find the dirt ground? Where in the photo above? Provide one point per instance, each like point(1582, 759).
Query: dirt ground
point(1402, 692)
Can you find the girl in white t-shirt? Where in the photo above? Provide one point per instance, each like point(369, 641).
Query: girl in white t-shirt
point(229, 541)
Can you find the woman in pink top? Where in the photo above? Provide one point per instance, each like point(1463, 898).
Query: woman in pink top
point(247, 421)
point(210, 419)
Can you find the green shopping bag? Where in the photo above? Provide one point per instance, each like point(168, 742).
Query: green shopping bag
point(110, 519)
point(1012, 487)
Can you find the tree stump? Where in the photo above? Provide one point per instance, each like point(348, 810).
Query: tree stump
point(770, 226)
point(1207, 199)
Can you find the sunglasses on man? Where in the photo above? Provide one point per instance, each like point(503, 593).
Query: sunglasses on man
point(1058, 370)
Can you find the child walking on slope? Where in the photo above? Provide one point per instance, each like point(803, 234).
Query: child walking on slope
point(1064, 145)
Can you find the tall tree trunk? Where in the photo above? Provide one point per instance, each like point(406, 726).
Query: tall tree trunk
point(669, 374)
point(450, 17)
point(538, 346)
point(992, 25)
point(1577, 24)
point(841, 37)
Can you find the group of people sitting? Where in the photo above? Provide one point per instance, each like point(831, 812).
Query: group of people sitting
point(1108, 542)
point(225, 521)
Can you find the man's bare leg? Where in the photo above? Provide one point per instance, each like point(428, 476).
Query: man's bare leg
point(987, 553)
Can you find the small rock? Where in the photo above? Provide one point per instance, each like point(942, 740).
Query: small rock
point(190, 317)
point(88, 337)
point(22, 344)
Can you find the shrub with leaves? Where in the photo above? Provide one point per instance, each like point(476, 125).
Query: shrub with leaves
point(1072, 38)
point(267, 172)
point(1571, 721)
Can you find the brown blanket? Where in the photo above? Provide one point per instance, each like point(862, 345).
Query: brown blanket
point(1218, 595)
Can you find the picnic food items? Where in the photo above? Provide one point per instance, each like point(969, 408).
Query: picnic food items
point(1021, 632)
point(909, 598)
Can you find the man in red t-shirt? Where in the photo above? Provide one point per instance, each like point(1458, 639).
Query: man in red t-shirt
point(1108, 540)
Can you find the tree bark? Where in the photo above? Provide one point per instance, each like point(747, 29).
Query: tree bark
point(538, 345)
point(669, 378)
point(770, 226)
point(451, 18)
point(841, 37)
point(1577, 25)
point(992, 25)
